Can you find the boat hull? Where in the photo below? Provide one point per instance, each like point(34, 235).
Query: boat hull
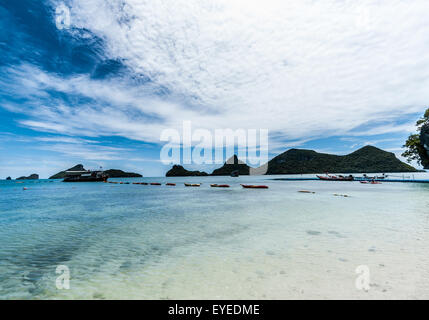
point(334, 178)
point(246, 186)
point(85, 179)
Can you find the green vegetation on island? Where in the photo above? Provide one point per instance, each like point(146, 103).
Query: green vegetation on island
point(231, 165)
point(115, 173)
point(368, 159)
point(179, 171)
point(112, 173)
point(33, 176)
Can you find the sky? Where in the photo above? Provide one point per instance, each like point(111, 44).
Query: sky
point(97, 81)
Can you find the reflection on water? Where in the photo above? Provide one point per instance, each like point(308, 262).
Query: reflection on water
point(135, 241)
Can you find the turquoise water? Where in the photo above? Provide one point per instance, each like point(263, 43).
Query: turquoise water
point(159, 242)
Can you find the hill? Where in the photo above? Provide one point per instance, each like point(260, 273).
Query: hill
point(62, 174)
point(33, 176)
point(232, 164)
point(179, 171)
point(116, 173)
point(112, 173)
point(368, 159)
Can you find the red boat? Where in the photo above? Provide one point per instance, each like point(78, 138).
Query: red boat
point(170, 184)
point(370, 182)
point(335, 178)
point(155, 184)
point(252, 186)
point(219, 185)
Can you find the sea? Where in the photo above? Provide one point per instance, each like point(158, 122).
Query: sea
point(337, 240)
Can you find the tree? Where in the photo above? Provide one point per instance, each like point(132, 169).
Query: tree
point(414, 149)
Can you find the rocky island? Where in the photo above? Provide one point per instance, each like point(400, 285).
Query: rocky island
point(112, 173)
point(8, 178)
point(33, 176)
point(368, 159)
point(231, 165)
point(116, 173)
point(179, 171)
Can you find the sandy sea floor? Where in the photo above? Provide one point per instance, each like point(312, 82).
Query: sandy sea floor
point(148, 242)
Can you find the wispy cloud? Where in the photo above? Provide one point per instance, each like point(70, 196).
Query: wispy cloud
point(302, 69)
point(294, 67)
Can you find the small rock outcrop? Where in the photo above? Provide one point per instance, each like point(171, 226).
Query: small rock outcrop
point(231, 165)
point(179, 171)
point(33, 176)
point(8, 178)
point(424, 141)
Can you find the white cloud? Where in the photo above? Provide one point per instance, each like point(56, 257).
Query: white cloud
point(302, 69)
point(82, 151)
point(289, 66)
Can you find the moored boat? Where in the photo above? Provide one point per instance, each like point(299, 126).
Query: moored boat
point(335, 178)
point(155, 184)
point(192, 184)
point(170, 184)
point(219, 185)
point(370, 182)
point(252, 186)
point(85, 176)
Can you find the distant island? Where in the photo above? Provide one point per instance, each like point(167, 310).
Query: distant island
point(232, 164)
point(112, 173)
point(368, 159)
point(116, 173)
point(179, 171)
point(33, 176)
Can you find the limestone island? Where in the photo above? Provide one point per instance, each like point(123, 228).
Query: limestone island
point(33, 176)
point(368, 159)
point(233, 166)
point(179, 171)
point(111, 173)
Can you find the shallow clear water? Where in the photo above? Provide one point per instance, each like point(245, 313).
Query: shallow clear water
point(159, 242)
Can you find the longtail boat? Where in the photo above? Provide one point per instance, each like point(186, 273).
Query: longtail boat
point(251, 186)
point(335, 178)
point(219, 185)
point(370, 182)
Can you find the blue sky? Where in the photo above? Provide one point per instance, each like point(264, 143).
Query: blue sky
point(332, 76)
